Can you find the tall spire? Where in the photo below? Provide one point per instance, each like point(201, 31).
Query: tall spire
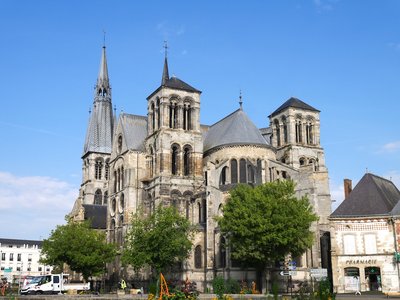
point(165, 75)
point(100, 131)
point(103, 83)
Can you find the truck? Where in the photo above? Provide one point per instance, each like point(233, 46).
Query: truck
point(52, 284)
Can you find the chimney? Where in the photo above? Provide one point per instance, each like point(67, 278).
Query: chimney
point(347, 188)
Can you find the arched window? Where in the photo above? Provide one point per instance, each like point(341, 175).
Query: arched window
point(105, 198)
point(119, 144)
point(234, 173)
point(98, 168)
point(112, 231)
point(185, 110)
point(224, 173)
point(242, 170)
point(173, 115)
point(187, 117)
point(115, 181)
point(310, 132)
point(98, 197)
point(222, 252)
point(158, 114)
point(174, 160)
point(107, 169)
point(302, 161)
point(113, 205)
point(250, 173)
point(285, 130)
point(187, 208)
point(278, 133)
point(122, 203)
point(312, 163)
point(299, 137)
point(153, 117)
point(122, 178)
point(197, 257)
point(119, 180)
point(186, 160)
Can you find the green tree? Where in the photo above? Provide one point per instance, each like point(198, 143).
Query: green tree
point(265, 223)
point(158, 241)
point(83, 249)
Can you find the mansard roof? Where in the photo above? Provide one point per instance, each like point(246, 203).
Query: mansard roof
point(5, 241)
point(134, 129)
point(296, 103)
point(372, 196)
point(234, 129)
point(97, 214)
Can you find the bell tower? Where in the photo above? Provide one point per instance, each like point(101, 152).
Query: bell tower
point(98, 142)
point(174, 144)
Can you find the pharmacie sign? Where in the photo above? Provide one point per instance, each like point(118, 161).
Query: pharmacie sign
point(361, 261)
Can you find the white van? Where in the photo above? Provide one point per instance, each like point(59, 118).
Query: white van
point(52, 284)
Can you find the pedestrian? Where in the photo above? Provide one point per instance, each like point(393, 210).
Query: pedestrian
point(358, 292)
point(4, 285)
point(123, 284)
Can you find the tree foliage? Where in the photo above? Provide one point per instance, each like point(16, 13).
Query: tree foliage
point(158, 241)
point(265, 223)
point(83, 249)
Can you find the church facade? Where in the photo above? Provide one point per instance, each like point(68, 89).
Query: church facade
point(167, 157)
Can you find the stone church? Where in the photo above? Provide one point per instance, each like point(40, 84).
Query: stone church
point(168, 157)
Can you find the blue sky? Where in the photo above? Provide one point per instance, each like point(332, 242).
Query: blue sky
point(341, 57)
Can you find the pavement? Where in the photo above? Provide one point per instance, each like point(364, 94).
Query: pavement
point(369, 296)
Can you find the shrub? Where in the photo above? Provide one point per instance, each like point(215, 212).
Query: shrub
point(218, 284)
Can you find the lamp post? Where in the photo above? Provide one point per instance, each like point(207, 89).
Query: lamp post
point(19, 281)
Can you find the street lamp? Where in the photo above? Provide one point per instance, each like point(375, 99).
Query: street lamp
point(19, 281)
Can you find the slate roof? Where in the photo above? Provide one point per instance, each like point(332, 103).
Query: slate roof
point(234, 129)
point(100, 130)
point(135, 131)
point(101, 123)
point(20, 242)
point(372, 196)
point(97, 214)
point(296, 103)
point(176, 83)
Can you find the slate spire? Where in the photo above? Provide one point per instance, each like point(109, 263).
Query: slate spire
point(165, 75)
point(101, 123)
point(103, 82)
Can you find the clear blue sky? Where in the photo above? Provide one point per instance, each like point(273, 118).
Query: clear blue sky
point(342, 57)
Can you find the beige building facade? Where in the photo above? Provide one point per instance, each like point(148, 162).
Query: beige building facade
point(133, 163)
point(364, 231)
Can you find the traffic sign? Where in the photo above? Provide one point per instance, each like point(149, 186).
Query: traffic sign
point(319, 272)
point(284, 273)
